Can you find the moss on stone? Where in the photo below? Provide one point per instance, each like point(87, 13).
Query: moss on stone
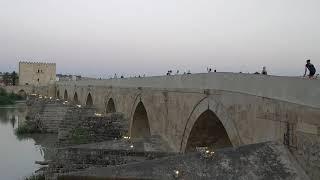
point(80, 136)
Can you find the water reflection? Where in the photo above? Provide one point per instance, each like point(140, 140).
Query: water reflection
point(18, 154)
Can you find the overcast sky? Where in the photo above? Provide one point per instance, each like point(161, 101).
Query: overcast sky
point(100, 38)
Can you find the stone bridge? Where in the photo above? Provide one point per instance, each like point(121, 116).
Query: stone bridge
point(24, 90)
point(216, 109)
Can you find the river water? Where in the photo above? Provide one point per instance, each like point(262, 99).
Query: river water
point(17, 155)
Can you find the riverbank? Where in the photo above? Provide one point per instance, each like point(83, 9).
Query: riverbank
point(9, 98)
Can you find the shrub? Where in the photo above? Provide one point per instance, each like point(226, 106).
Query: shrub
point(5, 100)
point(8, 99)
point(27, 128)
point(80, 136)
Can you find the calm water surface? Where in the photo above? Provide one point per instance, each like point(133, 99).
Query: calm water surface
point(17, 155)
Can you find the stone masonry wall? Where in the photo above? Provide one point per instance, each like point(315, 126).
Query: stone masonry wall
point(47, 113)
point(73, 118)
point(308, 154)
point(52, 115)
point(87, 128)
point(75, 159)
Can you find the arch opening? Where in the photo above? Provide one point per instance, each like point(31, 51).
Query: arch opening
point(22, 93)
point(140, 124)
point(208, 131)
point(89, 101)
point(111, 108)
point(58, 94)
point(65, 96)
point(75, 98)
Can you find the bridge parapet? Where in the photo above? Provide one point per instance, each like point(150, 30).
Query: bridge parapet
point(290, 89)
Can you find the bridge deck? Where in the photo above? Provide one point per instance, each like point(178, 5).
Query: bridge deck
point(292, 89)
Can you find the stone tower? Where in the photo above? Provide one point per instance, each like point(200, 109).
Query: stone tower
point(37, 73)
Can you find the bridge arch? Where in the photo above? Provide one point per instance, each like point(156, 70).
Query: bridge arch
point(75, 98)
point(65, 96)
point(209, 116)
point(208, 131)
point(22, 93)
point(89, 101)
point(139, 126)
point(110, 107)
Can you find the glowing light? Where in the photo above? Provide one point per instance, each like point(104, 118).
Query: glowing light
point(78, 105)
point(50, 97)
point(176, 173)
point(131, 146)
point(207, 151)
point(97, 114)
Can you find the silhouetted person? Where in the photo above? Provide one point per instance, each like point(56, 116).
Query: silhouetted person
point(264, 71)
point(311, 68)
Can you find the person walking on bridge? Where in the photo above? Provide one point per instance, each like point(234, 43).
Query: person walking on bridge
point(311, 68)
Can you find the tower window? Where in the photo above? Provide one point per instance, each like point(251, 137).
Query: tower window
point(38, 79)
point(38, 70)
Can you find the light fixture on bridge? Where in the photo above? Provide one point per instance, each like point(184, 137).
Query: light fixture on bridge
point(98, 114)
point(176, 173)
point(78, 105)
point(205, 152)
point(50, 97)
point(131, 146)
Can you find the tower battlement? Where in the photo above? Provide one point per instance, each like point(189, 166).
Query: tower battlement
point(36, 73)
point(38, 63)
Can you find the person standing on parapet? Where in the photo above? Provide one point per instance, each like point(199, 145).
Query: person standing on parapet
point(264, 71)
point(311, 68)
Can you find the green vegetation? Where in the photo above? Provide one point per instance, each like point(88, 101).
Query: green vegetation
point(80, 136)
point(8, 99)
point(10, 78)
point(28, 127)
point(36, 177)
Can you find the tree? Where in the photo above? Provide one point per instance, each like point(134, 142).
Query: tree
point(14, 78)
point(6, 79)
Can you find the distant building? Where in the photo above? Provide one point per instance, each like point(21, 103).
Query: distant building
point(62, 77)
point(37, 73)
